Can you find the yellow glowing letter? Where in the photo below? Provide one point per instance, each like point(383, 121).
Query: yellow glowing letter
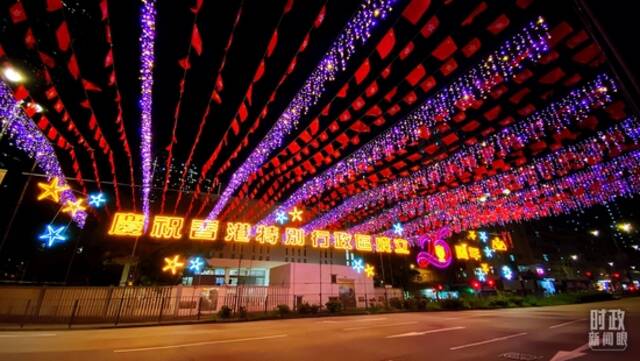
point(320, 238)
point(342, 240)
point(363, 242)
point(498, 244)
point(267, 234)
point(238, 232)
point(474, 252)
point(203, 229)
point(461, 251)
point(293, 236)
point(127, 224)
point(167, 227)
point(401, 246)
point(383, 244)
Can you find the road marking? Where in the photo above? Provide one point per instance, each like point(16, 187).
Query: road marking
point(487, 341)
point(203, 343)
point(27, 335)
point(379, 326)
point(371, 319)
point(420, 333)
point(567, 323)
point(568, 355)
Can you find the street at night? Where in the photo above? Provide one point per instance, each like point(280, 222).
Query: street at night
point(376, 180)
point(528, 333)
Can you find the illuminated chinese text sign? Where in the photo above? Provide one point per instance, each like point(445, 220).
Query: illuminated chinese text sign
point(170, 227)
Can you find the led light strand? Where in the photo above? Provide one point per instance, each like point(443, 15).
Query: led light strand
point(599, 184)
point(27, 137)
point(147, 39)
point(557, 164)
point(357, 31)
point(529, 44)
point(552, 119)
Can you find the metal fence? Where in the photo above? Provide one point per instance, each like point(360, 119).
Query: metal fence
point(118, 305)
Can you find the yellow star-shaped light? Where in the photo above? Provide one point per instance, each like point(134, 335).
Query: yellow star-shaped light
point(296, 214)
point(369, 270)
point(472, 235)
point(74, 207)
point(172, 264)
point(51, 190)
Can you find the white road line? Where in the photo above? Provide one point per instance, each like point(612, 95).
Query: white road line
point(203, 343)
point(420, 333)
point(380, 326)
point(487, 341)
point(20, 335)
point(567, 323)
point(371, 319)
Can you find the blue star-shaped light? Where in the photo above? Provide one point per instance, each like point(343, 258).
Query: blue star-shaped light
point(281, 217)
point(488, 252)
point(53, 235)
point(196, 264)
point(484, 237)
point(96, 200)
point(357, 265)
point(397, 229)
point(480, 274)
point(507, 272)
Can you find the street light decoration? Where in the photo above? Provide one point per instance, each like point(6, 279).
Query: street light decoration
point(172, 264)
point(51, 190)
point(53, 235)
point(369, 270)
point(73, 207)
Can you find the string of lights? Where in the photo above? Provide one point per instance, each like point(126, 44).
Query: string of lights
point(147, 39)
point(558, 164)
point(599, 184)
point(503, 63)
point(26, 136)
point(552, 119)
point(357, 32)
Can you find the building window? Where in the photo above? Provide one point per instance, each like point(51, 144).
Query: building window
point(286, 251)
point(334, 278)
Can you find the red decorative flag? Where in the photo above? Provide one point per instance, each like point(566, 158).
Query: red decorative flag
point(196, 40)
point(90, 86)
point(54, 5)
point(29, 39)
point(272, 43)
point(17, 13)
point(62, 35)
point(73, 67)
point(47, 60)
point(108, 59)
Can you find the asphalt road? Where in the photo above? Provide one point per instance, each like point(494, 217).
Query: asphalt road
point(528, 333)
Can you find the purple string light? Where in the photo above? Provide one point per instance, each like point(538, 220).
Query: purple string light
point(600, 184)
point(356, 32)
point(593, 150)
point(529, 44)
point(148, 24)
point(26, 136)
point(552, 119)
